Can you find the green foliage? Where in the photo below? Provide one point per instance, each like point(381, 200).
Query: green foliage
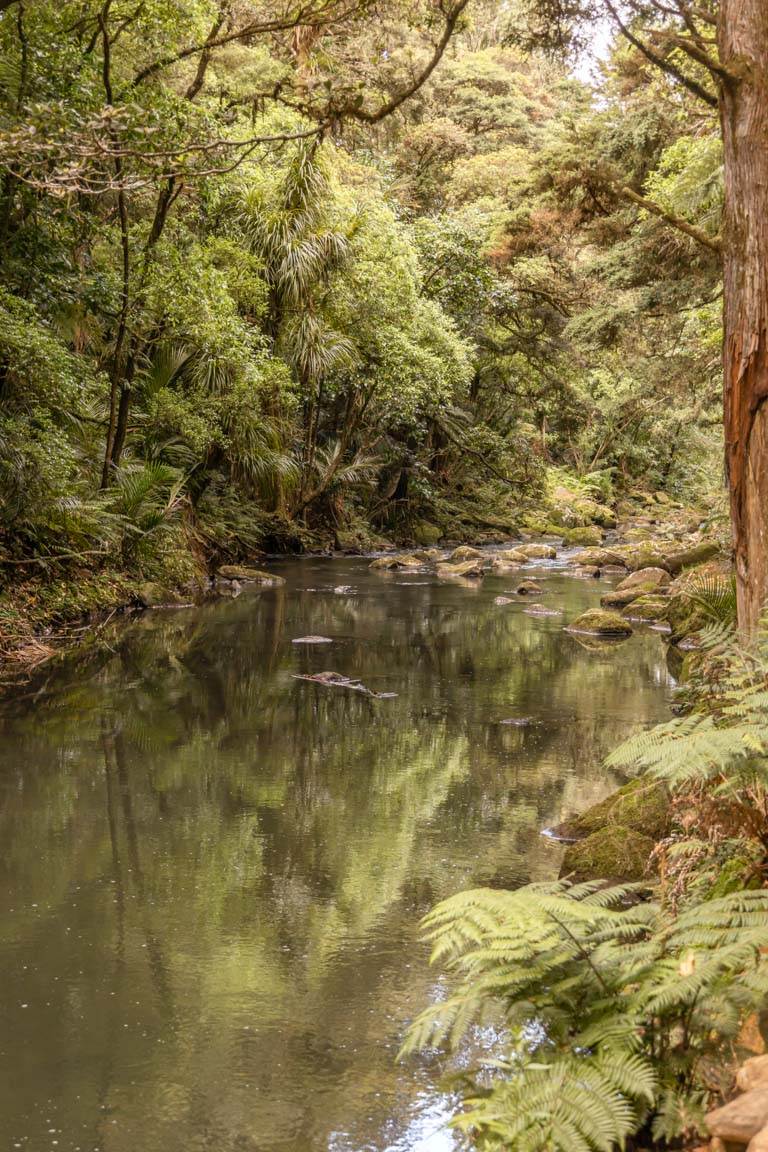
point(604, 1008)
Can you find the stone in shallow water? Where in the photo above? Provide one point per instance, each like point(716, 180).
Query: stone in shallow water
point(597, 622)
point(312, 640)
point(540, 610)
point(501, 600)
point(537, 551)
point(518, 721)
point(250, 575)
point(529, 588)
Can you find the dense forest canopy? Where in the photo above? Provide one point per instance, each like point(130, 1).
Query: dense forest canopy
point(279, 276)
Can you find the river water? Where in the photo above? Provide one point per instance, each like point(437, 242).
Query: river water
point(212, 873)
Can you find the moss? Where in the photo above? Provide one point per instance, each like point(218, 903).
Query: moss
point(598, 622)
point(248, 575)
point(648, 607)
point(621, 597)
point(426, 534)
point(616, 853)
point(642, 805)
point(585, 536)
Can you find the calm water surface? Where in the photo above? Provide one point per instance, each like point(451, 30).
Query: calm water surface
point(212, 873)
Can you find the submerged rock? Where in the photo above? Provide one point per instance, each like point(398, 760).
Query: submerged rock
point(502, 600)
point(540, 610)
point(597, 622)
point(312, 640)
point(248, 575)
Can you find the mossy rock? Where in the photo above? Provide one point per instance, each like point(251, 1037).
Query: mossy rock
point(426, 534)
point(614, 853)
point(509, 559)
point(390, 563)
point(643, 806)
point(152, 595)
point(648, 607)
point(621, 597)
point(585, 536)
point(654, 577)
point(469, 570)
point(464, 552)
point(597, 557)
point(248, 575)
point(537, 551)
point(676, 562)
point(598, 622)
point(529, 588)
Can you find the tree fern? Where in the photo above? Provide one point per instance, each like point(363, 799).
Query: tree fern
point(604, 1008)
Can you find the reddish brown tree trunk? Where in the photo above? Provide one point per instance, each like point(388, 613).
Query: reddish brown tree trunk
point(743, 50)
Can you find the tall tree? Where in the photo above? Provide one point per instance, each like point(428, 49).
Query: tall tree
point(718, 50)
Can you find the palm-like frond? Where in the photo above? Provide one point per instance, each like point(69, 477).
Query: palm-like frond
point(586, 991)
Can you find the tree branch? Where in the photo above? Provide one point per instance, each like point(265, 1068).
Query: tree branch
point(697, 234)
point(660, 62)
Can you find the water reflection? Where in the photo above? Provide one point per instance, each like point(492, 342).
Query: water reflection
point(213, 873)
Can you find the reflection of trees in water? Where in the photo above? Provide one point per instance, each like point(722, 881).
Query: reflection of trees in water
point(257, 850)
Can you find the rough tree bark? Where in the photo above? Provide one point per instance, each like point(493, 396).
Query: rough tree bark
point(743, 51)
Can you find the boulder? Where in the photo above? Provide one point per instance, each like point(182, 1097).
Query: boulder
point(588, 571)
point(470, 569)
point(742, 1118)
point(643, 806)
point(425, 533)
point(647, 607)
point(389, 563)
point(529, 588)
point(464, 552)
point(598, 557)
point(615, 853)
point(248, 575)
point(753, 1074)
point(690, 557)
point(619, 598)
point(512, 558)
point(597, 622)
point(537, 551)
point(648, 577)
point(590, 534)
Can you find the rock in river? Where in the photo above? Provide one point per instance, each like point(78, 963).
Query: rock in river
point(464, 552)
point(248, 575)
point(537, 551)
point(470, 569)
point(597, 622)
point(529, 588)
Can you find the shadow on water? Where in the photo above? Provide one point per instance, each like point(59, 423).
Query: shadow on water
point(213, 872)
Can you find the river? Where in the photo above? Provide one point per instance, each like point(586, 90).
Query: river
point(212, 872)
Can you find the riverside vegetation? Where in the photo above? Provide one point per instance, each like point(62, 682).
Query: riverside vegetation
point(344, 276)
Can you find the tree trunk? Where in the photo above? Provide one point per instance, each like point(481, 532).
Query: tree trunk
point(743, 49)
